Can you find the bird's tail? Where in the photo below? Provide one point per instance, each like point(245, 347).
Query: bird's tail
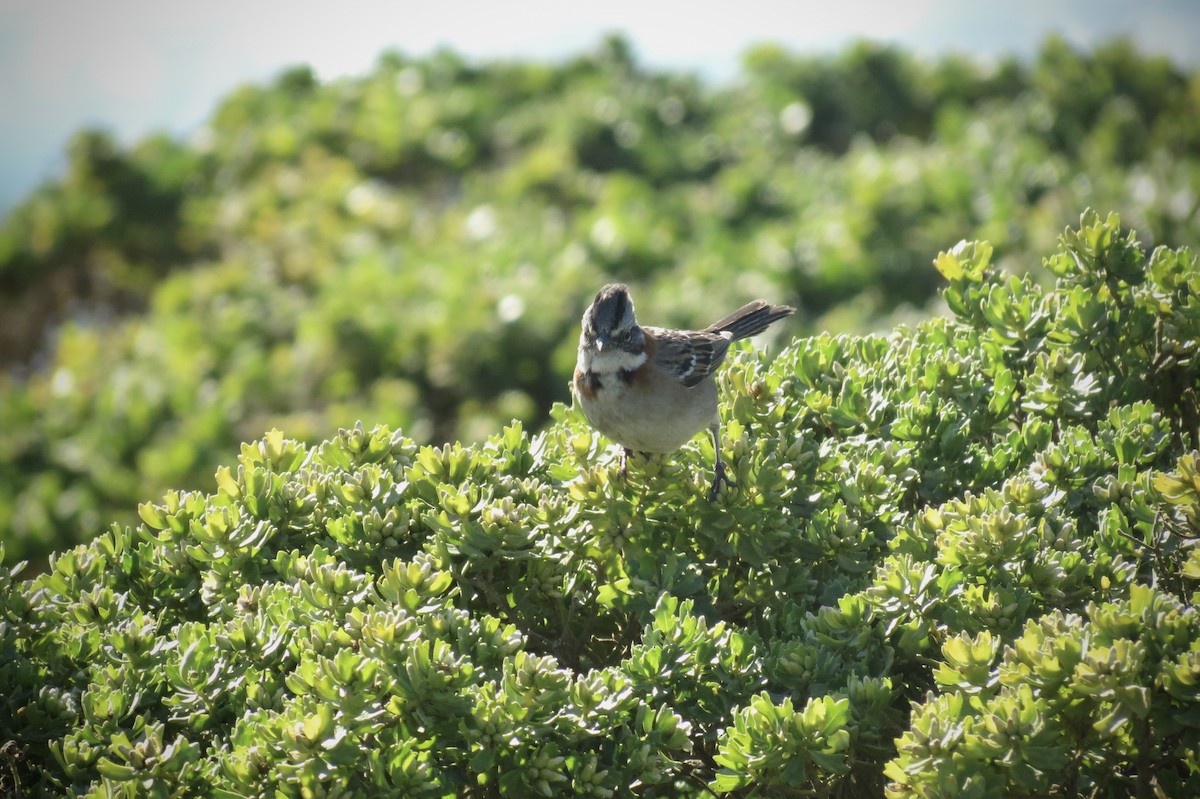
point(751, 319)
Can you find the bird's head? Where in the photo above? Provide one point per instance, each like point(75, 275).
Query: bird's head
point(611, 339)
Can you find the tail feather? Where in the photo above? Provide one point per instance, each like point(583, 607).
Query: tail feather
point(751, 319)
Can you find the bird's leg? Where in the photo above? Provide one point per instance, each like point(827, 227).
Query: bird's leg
point(720, 476)
point(625, 453)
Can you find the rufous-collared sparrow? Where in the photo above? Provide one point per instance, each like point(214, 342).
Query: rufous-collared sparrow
point(650, 389)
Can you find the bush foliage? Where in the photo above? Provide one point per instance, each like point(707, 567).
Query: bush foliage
point(958, 563)
point(414, 246)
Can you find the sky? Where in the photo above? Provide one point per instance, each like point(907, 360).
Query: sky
point(140, 66)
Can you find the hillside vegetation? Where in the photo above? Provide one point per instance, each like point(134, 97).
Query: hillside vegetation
point(413, 247)
point(958, 564)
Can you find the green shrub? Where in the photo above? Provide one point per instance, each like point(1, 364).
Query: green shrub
point(956, 565)
point(414, 245)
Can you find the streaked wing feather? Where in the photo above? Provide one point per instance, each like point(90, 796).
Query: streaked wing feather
point(689, 355)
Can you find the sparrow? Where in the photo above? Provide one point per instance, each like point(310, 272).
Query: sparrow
point(651, 389)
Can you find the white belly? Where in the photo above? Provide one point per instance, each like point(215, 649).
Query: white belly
point(623, 413)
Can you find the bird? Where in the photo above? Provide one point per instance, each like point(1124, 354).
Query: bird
point(651, 389)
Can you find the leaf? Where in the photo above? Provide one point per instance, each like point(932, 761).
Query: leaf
point(1191, 568)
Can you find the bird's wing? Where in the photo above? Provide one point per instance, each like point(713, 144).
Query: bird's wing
point(689, 355)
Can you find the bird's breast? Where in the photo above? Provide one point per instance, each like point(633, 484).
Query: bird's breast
point(587, 384)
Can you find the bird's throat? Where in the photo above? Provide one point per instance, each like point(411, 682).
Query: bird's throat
point(615, 360)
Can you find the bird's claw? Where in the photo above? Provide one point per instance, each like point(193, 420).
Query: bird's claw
point(720, 478)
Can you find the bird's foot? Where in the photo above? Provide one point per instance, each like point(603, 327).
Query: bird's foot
point(720, 478)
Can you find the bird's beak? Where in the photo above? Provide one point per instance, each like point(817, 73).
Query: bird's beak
point(601, 342)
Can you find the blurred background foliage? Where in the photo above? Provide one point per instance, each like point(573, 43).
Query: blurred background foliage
point(413, 247)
